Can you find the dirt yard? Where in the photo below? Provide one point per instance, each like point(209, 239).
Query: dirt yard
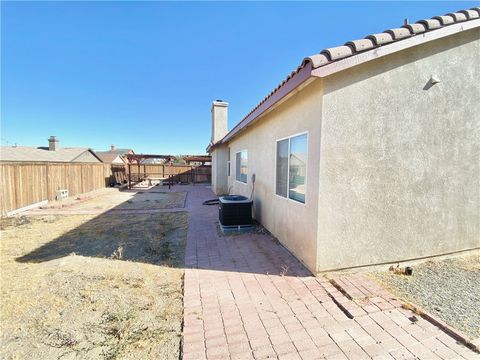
point(447, 288)
point(111, 199)
point(92, 286)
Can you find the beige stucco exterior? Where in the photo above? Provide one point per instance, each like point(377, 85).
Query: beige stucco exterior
point(393, 165)
point(219, 170)
point(399, 159)
point(293, 223)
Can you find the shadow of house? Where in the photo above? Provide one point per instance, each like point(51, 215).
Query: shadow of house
point(151, 237)
point(159, 238)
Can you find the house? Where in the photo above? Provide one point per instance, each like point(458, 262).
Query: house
point(111, 158)
point(368, 153)
point(197, 159)
point(114, 156)
point(52, 153)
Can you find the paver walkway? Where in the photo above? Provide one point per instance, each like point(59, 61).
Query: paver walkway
point(246, 297)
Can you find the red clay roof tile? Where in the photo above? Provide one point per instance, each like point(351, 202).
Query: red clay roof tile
point(399, 33)
point(338, 52)
point(361, 45)
point(445, 19)
point(381, 38)
point(415, 28)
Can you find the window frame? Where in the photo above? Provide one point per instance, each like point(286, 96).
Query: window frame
point(240, 166)
point(229, 164)
point(288, 169)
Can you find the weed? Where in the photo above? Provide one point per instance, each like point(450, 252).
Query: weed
point(118, 254)
point(59, 339)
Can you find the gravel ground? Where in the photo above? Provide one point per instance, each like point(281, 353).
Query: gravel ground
point(448, 289)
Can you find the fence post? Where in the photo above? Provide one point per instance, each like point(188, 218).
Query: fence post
point(129, 177)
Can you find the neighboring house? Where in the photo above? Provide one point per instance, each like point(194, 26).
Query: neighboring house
point(197, 159)
point(369, 152)
point(111, 158)
point(52, 153)
point(114, 155)
point(153, 161)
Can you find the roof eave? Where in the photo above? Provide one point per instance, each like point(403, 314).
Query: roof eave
point(391, 48)
point(280, 94)
point(308, 72)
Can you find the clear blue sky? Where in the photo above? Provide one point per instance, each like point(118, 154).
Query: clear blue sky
point(143, 74)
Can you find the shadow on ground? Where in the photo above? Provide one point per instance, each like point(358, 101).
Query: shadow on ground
point(159, 238)
point(152, 237)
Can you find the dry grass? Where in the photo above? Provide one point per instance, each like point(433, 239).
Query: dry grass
point(155, 198)
point(92, 287)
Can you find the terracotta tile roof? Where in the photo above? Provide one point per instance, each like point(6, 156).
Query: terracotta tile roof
point(391, 35)
point(354, 47)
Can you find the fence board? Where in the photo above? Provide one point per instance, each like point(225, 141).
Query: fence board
point(180, 173)
point(23, 184)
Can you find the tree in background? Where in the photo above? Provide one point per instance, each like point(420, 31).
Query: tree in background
point(179, 159)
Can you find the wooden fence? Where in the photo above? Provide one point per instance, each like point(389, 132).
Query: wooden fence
point(24, 184)
point(179, 173)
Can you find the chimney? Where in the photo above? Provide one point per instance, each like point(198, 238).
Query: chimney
point(112, 148)
point(219, 120)
point(53, 143)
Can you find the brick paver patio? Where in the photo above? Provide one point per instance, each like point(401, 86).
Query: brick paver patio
point(246, 297)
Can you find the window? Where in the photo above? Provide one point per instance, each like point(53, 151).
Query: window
point(292, 167)
point(242, 166)
point(282, 167)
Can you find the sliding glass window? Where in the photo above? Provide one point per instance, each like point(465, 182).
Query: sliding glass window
point(291, 172)
point(241, 166)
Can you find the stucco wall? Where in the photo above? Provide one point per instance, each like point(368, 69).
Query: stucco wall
point(399, 164)
point(219, 170)
point(293, 223)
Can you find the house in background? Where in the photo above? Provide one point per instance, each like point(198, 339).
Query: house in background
point(111, 158)
point(114, 156)
point(369, 152)
point(197, 159)
point(52, 153)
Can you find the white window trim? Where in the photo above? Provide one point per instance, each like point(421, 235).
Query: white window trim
point(288, 167)
point(229, 165)
point(240, 152)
